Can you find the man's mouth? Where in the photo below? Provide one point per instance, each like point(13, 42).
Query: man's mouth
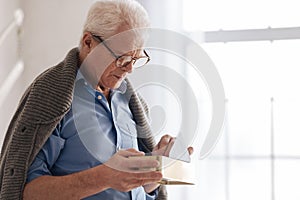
point(118, 77)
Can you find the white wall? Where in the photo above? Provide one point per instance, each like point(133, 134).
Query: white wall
point(50, 30)
point(8, 59)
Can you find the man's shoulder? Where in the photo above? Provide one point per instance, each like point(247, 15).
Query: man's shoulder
point(62, 72)
point(51, 93)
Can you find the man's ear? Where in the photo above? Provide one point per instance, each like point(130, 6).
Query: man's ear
point(87, 42)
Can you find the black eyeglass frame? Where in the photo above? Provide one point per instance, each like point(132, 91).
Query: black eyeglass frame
point(100, 40)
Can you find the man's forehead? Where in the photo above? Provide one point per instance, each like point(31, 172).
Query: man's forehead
point(126, 41)
point(133, 53)
point(124, 47)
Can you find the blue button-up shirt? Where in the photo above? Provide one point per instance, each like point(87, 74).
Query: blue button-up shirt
point(88, 135)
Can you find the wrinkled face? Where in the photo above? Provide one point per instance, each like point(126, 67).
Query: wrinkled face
point(113, 75)
point(108, 62)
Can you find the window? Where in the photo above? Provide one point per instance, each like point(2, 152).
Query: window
point(258, 156)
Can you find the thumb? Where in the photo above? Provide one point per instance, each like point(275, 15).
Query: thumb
point(131, 152)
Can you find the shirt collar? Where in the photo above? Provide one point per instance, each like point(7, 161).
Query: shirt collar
point(79, 76)
point(122, 88)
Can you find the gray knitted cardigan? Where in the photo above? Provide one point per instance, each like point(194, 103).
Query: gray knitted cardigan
point(41, 108)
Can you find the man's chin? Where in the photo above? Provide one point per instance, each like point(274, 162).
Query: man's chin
point(116, 85)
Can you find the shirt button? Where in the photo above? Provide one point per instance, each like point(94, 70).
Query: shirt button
point(99, 97)
point(85, 83)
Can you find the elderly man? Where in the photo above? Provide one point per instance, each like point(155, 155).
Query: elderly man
point(79, 122)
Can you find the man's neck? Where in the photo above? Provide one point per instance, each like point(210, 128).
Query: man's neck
point(104, 91)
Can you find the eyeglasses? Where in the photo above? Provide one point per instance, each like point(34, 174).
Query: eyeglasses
point(124, 60)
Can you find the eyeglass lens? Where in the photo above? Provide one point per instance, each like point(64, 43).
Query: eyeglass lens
point(137, 62)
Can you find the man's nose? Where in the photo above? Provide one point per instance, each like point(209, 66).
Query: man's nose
point(129, 67)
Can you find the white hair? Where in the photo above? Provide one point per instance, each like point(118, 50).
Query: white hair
point(105, 17)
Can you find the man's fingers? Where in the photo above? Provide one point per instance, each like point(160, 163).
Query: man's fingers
point(145, 178)
point(164, 141)
point(130, 152)
point(142, 163)
point(169, 147)
point(129, 181)
point(191, 150)
point(149, 176)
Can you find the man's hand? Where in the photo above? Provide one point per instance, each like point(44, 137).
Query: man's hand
point(122, 172)
point(165, 144)
point(117, 173)
point(163, 148)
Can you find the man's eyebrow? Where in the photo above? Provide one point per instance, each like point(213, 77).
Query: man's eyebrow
point(118, 53)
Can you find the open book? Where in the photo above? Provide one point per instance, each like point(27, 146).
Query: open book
point(175, 172)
